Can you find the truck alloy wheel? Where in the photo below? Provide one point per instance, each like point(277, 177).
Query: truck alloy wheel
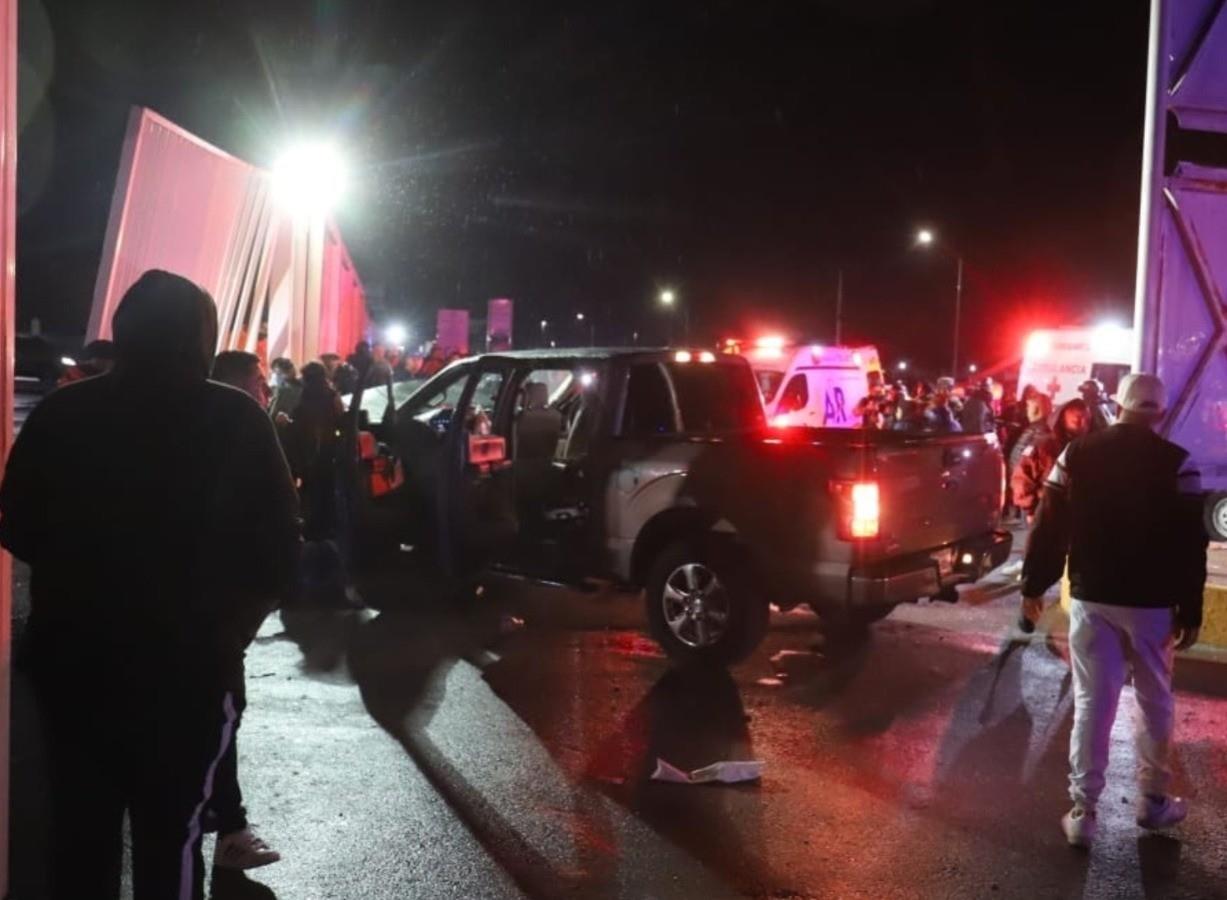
point(1216, 516)
point(702, 603)
point(695, 605)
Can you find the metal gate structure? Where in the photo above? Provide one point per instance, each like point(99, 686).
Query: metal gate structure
point(1181, 298)
point(283, 280)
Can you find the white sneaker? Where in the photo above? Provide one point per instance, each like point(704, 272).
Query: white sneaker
point(243, 850)
point(1079, 827)
point(1157, 813)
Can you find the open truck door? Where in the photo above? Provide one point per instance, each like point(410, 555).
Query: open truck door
point(451, 508)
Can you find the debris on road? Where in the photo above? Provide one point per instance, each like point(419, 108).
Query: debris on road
point(727, 772)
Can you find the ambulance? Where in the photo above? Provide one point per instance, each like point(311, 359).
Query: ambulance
point(1056, 361)
point(812, 385)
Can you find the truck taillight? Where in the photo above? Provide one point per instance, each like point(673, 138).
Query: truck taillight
point(861, 509)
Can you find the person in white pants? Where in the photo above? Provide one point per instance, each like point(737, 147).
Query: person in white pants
point(1115, 502)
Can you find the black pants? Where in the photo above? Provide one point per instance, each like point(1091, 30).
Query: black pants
point(227, 813)
point(151, 752)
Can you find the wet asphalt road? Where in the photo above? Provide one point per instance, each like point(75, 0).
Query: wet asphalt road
point(428, 754)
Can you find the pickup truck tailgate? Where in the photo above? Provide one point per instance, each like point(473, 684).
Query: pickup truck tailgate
point(936, 491)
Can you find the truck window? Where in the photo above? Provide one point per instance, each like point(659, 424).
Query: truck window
point(479, 417)
point(768, 383)
point(649, 403)
point(714, 398)
point(795, 396)
point(441, 394)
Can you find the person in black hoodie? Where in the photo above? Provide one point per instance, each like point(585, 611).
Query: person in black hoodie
point(140, 621)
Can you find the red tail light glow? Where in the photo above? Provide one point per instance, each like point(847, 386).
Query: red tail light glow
point(861, 510)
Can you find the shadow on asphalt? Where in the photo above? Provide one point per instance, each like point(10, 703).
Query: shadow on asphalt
point(230, 885)
point(400, 660)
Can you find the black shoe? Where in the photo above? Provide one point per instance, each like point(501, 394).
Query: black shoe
point(1025, 625)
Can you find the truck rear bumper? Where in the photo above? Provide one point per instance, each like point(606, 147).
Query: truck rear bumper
point(927, 574)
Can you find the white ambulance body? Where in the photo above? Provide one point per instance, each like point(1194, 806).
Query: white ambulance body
point(1057, 360)
point(822, 387)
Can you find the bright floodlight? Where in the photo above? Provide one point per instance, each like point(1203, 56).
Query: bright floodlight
point(396, 335)
point(902, 365)
point(972, 368)
point(544, 324)
point(668, 298)
point(309, 177)
point(1111, 342)
point(579, 317)
point(925, 237)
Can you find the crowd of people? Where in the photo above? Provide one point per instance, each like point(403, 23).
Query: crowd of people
point(924, 408)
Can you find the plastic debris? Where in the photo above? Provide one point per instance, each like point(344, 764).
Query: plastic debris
point(727, 772)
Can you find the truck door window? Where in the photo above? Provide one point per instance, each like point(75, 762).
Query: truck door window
point(795, 396)
point(435, 403)
point(649, 403)
point(716, 397)
point(480, 416)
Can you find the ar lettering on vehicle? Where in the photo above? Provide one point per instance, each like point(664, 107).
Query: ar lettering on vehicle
point(836, 405)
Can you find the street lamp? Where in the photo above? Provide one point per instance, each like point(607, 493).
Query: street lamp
point(581, 318)
point(972, 369)
point(306, 183)
point(309, 178)
point(545, 323)
point(926, 238)
point(668, 299)
point(901, 365)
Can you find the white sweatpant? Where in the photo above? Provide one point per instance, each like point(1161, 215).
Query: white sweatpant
point(1105, 644)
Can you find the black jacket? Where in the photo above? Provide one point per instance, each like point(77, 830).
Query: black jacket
point(160, 529)
point(1125, 506)
point(154, 507)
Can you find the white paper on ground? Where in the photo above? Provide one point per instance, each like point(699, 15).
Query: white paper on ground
point(727, 772)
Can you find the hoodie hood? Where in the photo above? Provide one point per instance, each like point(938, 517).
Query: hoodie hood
point(165, 331)
point(1058, 422)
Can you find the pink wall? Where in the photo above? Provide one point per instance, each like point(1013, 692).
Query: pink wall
point(175, 208)
point(190, 208)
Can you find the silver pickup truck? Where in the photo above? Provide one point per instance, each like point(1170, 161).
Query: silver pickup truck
point(658, 470)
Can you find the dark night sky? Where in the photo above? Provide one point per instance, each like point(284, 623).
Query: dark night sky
point(576, 157)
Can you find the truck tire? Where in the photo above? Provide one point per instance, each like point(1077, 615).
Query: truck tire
point(1216, 516)
point(703, 606)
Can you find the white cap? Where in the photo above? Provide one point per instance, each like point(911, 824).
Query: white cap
point(1142, 393)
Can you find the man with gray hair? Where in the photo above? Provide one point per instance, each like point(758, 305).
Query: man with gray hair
point(1124, 506)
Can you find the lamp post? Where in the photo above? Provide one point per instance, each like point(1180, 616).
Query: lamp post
point(545, 323)
point(308, 181)
point(925, 237)
point(581, 318)
point(669, 300)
